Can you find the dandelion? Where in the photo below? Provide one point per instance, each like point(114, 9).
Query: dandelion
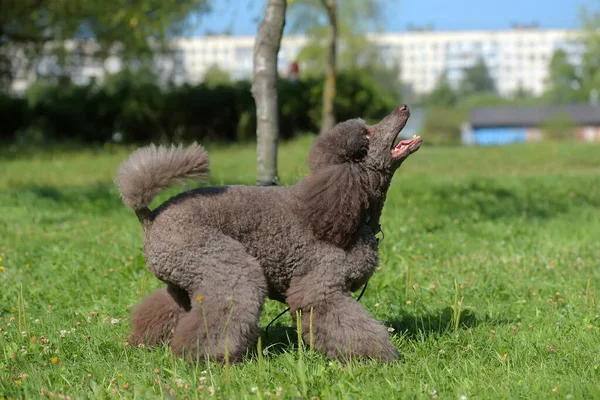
point(54, 360)
point(1, 268)
point(27, 265)
point(199, 298)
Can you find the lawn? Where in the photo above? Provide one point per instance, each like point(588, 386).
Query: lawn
point(489, 282)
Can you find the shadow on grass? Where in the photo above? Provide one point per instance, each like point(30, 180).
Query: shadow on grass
point(280, 339)
point(100, 197)
point(494, 199)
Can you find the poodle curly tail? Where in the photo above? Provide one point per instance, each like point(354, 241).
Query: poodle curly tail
point(151, 169)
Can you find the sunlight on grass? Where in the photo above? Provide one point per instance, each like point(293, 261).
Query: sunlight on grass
point(488, 282)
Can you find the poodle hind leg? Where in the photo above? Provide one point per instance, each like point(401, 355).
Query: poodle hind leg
point(226, 301)
point(341, 327)
point(155, 317)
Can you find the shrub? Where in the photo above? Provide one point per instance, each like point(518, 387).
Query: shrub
point(559, 127)
point(133, 104)
point(442, 126)
point(15, 116)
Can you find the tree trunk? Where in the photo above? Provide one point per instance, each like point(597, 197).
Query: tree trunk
point(328, 118)
point(264, 91)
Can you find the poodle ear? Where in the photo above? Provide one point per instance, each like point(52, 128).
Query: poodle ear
point(333, 200)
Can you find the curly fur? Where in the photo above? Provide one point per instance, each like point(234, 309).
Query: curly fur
point(223, 250)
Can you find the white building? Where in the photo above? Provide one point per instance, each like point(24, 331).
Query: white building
point(517, 58)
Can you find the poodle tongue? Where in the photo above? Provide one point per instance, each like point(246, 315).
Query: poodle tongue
point(403, 143)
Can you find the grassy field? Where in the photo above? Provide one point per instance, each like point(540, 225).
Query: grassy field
point(489, 282)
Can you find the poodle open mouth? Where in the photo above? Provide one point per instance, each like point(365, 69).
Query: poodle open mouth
point(406, 147)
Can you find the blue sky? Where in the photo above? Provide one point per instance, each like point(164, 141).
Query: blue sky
point(243, 16)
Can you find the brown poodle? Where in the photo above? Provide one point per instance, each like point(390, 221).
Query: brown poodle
point(223, 250)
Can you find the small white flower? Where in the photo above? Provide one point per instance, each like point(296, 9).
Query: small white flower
point(462, 397)
point(203, 372)
point(37, 321)
point(63, 333)
point(114, 321)
point(202, 379)
point(254, 389)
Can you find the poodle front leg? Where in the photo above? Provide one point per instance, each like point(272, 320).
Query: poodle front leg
point(223, 320)
point(341, 327)
point(154, 318)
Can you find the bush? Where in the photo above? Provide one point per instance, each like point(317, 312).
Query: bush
point(442, 126)
point(559, 127)
point(15, 116)
point(132, 104)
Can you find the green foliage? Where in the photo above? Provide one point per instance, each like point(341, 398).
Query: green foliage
point(563, 81)
point(442, 126)
point(354, 18)
point(559, 127)
point(516, 232)
point(215, 76)
point(132, 104)
point(133, 30)
point(16, 115)
point(477, 79)
point(442, 95)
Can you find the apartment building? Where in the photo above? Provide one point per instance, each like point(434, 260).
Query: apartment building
point(517, 58)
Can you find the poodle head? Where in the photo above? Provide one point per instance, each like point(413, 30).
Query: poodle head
point(352, 166)
point(374, 146)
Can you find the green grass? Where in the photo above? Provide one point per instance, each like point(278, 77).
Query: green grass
point(489, 279)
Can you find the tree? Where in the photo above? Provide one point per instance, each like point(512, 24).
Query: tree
point(215, 76)
point(442, 95)
point(562, 82)
point(30, 29)
point(328, 117)
point(264, 91)
point(477, 79)
point(336, 39)
point(590, 71)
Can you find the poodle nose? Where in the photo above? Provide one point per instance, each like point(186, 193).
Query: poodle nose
point(403, 107)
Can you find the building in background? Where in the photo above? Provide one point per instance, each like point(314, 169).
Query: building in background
point(504, 125)
point(517, 58)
